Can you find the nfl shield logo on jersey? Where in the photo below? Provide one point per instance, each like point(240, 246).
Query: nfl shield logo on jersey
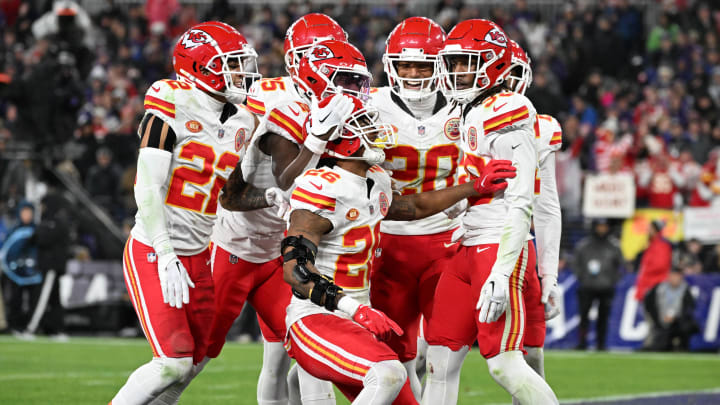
point(421, 130)
point(472, 138)
point(233, 259)
point(221, 133)
point(151, 257)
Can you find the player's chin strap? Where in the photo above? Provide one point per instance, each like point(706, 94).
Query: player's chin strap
point(305, 251)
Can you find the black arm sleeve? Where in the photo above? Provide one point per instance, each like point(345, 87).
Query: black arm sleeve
point(156, 133)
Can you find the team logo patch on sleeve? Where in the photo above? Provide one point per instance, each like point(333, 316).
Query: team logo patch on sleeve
point(452, 129)
point(194, 126)
point(472, 138)
point(384, 204)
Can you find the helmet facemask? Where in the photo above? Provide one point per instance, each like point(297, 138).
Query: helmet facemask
point(399, 85)
point(371, 135)
point(239, 71)
point(347, 81)
point(466, 84)
point(520, 76)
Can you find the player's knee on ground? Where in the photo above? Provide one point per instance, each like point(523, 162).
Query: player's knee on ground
point(510, 371)
point(389, 374)
point(174, 369)
point(535, 359)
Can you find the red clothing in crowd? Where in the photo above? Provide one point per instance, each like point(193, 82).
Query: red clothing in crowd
point(654, 266)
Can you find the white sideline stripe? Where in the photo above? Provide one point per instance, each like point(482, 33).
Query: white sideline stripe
point(94, 374)
point(630, 354)
point(319, 357)
point(616, 397)
point(100, 341)
point(132, 272)
point(641, 395)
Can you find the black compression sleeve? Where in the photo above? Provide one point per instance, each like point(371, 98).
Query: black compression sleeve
point(156, 133)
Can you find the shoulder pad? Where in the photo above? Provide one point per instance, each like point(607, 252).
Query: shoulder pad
point(379, 96)
point(287, 121)
point(316, 188)
point(268, 92)
point(160, 97)
point(550, 131)
point(505, 110)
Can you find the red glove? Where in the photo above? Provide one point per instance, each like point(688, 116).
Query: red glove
point(376, 322)
point(492, 176)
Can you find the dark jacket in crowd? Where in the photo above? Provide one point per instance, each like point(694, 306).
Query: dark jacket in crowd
point(598, 261)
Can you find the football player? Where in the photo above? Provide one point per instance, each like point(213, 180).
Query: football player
point(192, 138)
point(546, 218)
point(245, 260)
point(426, 158)
point(491, 266)
point(332, 235)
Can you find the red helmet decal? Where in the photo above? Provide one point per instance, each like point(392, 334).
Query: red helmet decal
point(320, 52)
point(497, 37)
point(193, 38)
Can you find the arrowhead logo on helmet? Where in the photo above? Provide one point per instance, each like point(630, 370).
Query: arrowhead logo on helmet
point(495, 36)
point(194, 38)
point(320, 52)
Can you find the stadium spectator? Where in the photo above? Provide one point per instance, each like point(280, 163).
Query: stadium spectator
point(655, 262)
point(670, 307)
point(597, 264)
point(103, 181)
point(18, 258)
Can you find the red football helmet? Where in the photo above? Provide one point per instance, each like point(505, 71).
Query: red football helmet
point(520, 76)
point(476, 57)
point(212, 56)
point(415, 39)
point(306, 31)
point(330, 65)
point(361, 129)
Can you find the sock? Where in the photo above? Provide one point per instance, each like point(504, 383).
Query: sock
point(511, 372)
point(443, 375)
point(151, 379)
point(171, 395)
point(272, 386)
point(314, 391)
point(382, 383)
point(413, 378)
point(293, 385)
point(421, 359)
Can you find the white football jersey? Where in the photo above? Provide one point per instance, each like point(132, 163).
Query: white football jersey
point(546, 207)
point(255, 235)
point(205, 153)
point(355, 206)
point(502, 127)
point(425, 159)
point(264, 94)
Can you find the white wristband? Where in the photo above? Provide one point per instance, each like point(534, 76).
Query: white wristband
point(348, 305)
point(315, 144)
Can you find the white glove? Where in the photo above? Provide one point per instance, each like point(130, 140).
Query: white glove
point(550, 296)
point(175, 282)
point(493, 297)
point(334, 114)
point(275, 197)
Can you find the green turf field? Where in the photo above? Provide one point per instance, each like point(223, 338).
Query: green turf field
point(90, 370)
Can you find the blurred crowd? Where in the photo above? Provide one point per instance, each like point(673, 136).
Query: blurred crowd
point(635, 85)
